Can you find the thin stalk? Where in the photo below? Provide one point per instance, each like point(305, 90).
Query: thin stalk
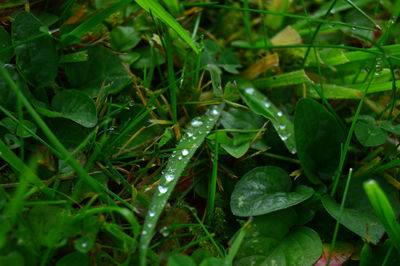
point(213, 184)
point(346, 189)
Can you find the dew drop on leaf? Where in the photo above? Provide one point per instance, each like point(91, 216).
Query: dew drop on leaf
point(197, 123)
point(169, 177)
point(162, 189)
point(185, 152)
point(250, 91)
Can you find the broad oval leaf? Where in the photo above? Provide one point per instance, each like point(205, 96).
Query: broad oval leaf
point(302, 246)
point(363, 224)
point(264, 190)
point(102, 71)
point(37, 59)
point(77, 106)
point(318, 139)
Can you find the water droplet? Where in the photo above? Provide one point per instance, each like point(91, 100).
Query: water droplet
point(84, 244)
point(267, 104)
point(197, 123)
point(285, 137)
point(180, 158)
point(169, 177)
point(162, 189)
point(333, 11)
point(215, 112)
point(144, 232)
point(353, 28)
point(152, 214)
point(279, 113)
point(250, 91)
point(185, 152)
point(282, 127)
point(131, 104)
point(164, 231)
point(190, 134)
point(149, 225)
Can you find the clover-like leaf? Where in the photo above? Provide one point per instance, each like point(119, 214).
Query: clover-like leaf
point(264, 190)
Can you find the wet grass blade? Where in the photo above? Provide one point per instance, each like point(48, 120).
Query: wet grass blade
point(261, 105)
point(177, 162)
point(384, 210)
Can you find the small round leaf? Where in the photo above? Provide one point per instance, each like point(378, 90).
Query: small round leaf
point(264, 190)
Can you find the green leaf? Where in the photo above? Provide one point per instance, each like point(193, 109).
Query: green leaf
point(180, 260)
point(211, 261)
point(301, 246)
point(23, 129)
point(389, 127)
point(261, 105)
point(77, 106)
point(194, 136)
point(369, 134)
point(84, 244)
point(102, 71)
point(75, 258)
point(37, 60)
point(149, 57)
point(318, 138)
point(361, 223)
point(8, 99)
point(236, 151)
point(47, 224)
point(229, 61)
point(264, 190)
point(5, 41)
point(124, 38)
point(80, 56)
point(158, 11)
point(13, 258)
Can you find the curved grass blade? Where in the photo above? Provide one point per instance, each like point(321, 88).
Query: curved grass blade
point(158, 11)
point(186, 148)
point(384, 210)
point(261, 105)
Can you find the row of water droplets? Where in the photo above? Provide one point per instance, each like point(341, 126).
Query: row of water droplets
point(279, 124)
point(190, 138)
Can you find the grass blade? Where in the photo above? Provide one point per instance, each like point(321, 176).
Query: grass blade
point(261, 105)
point(75, 35)
point(186, 148)
point(384, 210)
point(286, 79)
point(159, 12)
